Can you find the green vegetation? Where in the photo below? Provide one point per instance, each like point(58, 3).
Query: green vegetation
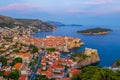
point(32, 63)
point(118, 73)
point(50, 49)
point(15, 45)
point(2, 46)
point(1, 73)
point(41, 77)
point(17, 60)
point(3, 60)
point(2, 51)
point(80, 55)
point(10, 25)
point(96, 73)
point(117, 62)
point(8, 39)
point(16, 50)
point(94, 30)
point(33, 48)
point(15, 74)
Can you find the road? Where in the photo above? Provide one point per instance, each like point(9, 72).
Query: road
point(37, 65)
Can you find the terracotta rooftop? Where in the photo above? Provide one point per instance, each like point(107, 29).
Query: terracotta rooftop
point(17, 65)
point(22, 77)
point(65, 78)
point(7, 73)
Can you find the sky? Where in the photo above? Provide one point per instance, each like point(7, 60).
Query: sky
point(85, 12)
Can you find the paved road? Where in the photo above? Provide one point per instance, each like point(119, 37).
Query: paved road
point(37, 65)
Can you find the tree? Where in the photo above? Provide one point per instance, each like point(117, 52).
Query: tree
point(17, 60)
point(50, 49)
point(2, 73)
point(33, 48)
point(15, 74)
point(96, 73)
point(3, 60)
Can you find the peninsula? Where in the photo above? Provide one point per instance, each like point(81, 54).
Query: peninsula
point(96, 31)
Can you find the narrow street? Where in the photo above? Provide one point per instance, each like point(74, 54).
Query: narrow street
point(37, 65)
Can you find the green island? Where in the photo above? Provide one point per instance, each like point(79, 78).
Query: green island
point(97, 31)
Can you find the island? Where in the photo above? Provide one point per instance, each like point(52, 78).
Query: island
point(96, 31)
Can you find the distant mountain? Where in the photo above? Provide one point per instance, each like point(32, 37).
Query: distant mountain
point(9, 22)
point(55, 23)
point(61, 24)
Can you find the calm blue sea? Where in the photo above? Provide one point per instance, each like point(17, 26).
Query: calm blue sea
point(108, 46)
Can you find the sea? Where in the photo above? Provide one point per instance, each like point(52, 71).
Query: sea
point(108, 46)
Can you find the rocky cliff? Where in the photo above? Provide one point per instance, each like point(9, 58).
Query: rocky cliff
point(88, 57)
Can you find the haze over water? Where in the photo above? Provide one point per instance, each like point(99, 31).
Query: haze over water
point(108, 46)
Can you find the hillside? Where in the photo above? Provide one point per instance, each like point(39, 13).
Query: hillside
point(12, 22)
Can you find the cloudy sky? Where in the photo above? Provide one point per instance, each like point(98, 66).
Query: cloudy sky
point(86, 12)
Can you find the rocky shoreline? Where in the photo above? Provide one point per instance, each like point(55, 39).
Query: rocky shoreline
point(88, 57)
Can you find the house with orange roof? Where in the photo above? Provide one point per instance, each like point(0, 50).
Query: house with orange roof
point(57, 68)
point(59, 75)
point(26, 57)
point(23, 77)
point(13, 54)
point(43, 72)
point(44, 67)
point(39, 71)
point(17, 66)
point(5, 68)
point(67, 78)
point(7, 73)
point(49, 75)
point(24, 70)
point(73, 71)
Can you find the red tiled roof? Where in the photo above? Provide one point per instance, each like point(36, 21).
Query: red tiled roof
point(22, 77)
point(17, 65)
point(49, 74)
point(74, 71)
point(56, 66)
point(7, 73)
point(65, 79)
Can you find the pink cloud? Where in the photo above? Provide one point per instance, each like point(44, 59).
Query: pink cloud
point(17, 6)
point(98, 2)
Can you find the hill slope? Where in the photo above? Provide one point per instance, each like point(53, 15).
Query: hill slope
point(12, 22)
